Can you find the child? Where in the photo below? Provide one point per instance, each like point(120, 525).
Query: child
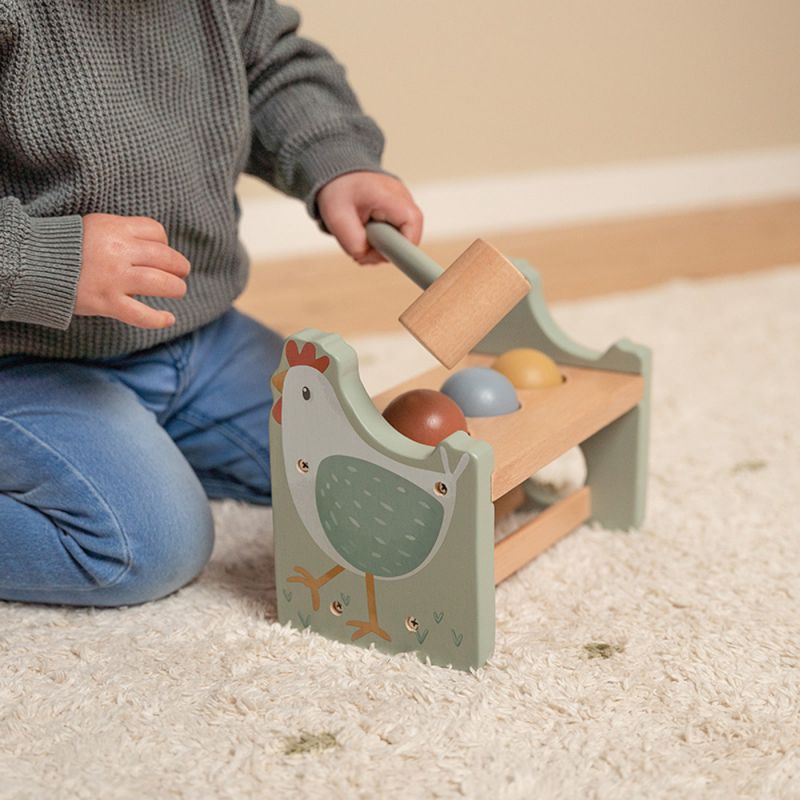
point(130, 389)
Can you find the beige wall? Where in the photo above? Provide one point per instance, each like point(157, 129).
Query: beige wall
point(465, 88)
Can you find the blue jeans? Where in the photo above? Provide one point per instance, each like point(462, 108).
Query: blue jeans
point(106, 466)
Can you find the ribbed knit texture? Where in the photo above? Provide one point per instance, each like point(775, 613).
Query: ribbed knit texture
point(153, 108)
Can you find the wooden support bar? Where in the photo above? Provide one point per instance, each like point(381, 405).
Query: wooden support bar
point(518, 548)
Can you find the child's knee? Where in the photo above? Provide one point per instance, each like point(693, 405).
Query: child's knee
point(166, 551)
point(124, 530)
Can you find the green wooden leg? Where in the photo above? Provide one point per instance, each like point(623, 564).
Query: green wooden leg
point(616, 459)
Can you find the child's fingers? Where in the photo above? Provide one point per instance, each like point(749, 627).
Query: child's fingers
point(161, 256)
point(345, 224)
point(412, 227)
point(154, 283)
point(402, 212)
point(135, 313)
point(348, 202)
point(147, 228)
point(372, 257)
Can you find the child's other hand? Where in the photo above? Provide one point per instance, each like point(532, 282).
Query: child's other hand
point(348, 202)
point(125, 256)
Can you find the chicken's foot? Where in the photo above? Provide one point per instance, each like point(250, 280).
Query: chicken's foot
point(315, 584)
point(371, 625)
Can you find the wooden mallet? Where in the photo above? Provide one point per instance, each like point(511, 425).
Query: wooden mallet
point(459, 305)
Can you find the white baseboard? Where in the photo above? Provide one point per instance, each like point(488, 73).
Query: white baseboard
point(277, 227)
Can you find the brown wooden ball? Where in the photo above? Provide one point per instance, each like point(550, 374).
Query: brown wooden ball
point(425, 415)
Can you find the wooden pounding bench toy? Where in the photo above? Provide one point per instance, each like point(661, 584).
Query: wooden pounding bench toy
point(383, 539)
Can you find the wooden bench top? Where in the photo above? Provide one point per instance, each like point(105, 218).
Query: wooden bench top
point(549, 422)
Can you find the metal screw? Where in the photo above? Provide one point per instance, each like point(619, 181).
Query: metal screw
point(302, 465)
point(336, 608)
point(440, 488)
point(412, 624)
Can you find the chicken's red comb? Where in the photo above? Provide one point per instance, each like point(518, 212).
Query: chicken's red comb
point(306, 357)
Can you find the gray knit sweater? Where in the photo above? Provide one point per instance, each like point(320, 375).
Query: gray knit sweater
point(153, 108)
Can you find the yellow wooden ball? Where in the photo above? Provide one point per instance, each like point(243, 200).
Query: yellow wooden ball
point(527, 368)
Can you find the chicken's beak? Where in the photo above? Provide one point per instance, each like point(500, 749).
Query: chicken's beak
point(278, 378)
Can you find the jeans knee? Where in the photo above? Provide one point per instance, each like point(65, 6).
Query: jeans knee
point(165, 553)
point(99, 506)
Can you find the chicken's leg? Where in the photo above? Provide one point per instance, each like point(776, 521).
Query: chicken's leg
point(307, 579)
point(371, 625)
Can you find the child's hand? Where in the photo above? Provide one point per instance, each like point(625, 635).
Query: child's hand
point(124, 256)
point(348, 202)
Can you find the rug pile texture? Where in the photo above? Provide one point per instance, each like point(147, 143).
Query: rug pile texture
point(662, 662)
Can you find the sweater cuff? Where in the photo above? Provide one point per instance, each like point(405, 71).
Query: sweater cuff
point(326, 159)
point(50, 264)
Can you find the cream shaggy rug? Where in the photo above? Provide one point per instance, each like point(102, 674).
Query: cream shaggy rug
point(659, 663)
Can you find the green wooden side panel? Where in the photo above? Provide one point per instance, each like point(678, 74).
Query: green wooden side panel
point(451, 597)
point(529, 324)
point(617, 456)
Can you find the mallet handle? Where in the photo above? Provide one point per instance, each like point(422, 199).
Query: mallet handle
point(409, 259)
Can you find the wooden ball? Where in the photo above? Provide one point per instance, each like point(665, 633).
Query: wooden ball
point(527, 368)
point(481, 392)
point(425, 415)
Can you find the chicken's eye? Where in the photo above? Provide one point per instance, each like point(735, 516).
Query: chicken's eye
point(306, 393)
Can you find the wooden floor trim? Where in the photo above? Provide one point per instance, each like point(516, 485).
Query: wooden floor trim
point(333, 294)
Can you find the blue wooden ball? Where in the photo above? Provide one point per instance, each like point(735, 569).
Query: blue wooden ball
point(481, 392)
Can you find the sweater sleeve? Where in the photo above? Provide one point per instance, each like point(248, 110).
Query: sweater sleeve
point(40, 262)
point(308, 126)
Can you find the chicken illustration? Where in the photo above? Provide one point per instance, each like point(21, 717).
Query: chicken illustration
point(368, 512)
